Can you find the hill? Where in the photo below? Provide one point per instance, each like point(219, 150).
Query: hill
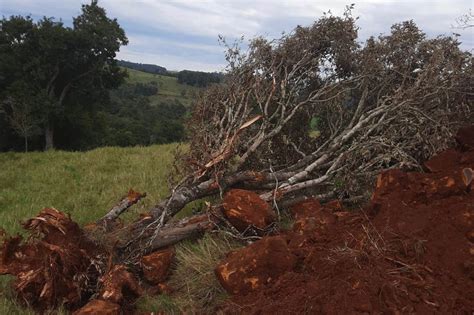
point(168, 87)
point(154, 69)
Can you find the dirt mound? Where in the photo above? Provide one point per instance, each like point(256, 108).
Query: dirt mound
point(99, 307)
point(410, 251)
point(156, 266)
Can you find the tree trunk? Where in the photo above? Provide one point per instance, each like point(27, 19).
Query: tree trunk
point(26, 144)
point(48, 136)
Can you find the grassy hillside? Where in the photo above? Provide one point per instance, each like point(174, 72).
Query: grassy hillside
point(168, 87)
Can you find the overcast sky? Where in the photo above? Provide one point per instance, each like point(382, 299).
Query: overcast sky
point(182, 34)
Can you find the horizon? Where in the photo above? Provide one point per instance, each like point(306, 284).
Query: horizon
point(180, 35)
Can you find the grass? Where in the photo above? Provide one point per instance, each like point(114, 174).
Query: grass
point(85, 185)
point(196, 287)
point(168, 87)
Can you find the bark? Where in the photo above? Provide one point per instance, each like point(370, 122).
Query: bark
point(150, 238)
point(132, 198)
point(48, 137)
point(175, 232)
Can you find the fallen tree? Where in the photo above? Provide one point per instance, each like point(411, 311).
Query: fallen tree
point(313, 113)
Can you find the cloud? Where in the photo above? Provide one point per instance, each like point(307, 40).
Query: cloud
point(181, 34)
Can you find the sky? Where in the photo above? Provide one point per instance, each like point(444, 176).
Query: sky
point(182, 34)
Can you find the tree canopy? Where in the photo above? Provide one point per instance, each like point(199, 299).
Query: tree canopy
point(63, 69)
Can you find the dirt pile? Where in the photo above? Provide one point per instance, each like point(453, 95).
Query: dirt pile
point(410, 251)
point(256, 265)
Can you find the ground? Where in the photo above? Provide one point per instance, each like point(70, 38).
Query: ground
point(410, 250)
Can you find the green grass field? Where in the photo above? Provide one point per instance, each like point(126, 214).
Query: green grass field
point(85, 185)
point(168, 87)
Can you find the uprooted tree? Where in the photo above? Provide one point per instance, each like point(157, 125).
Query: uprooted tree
point(393, 102)
point(313, 113)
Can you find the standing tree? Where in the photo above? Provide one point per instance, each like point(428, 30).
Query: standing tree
point(19, 111)
point(57, 61)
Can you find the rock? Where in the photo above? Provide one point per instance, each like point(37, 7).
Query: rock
point(245, 208)
point(467, 177)
point(156, 266)
point(306, 208)
point(119, 285)
point(260, 263)
point(99, 307)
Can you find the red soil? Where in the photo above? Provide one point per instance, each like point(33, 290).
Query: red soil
point(410, 251)
point(156, 266)
point(244, 209)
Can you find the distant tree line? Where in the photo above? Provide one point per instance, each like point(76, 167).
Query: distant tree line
point(132, 120)
point(199, 79)
point(154, 69)
point(126, 119)
point(193, 78)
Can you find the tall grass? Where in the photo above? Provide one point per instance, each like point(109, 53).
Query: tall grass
point(83, 184)
point(196, 288)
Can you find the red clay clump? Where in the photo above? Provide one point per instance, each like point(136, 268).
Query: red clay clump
point(246, 209)
point(248, 269)
point(119, 286)
point(413, 254)
point(305, 208)
point(99, 307)
point(156, 266)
